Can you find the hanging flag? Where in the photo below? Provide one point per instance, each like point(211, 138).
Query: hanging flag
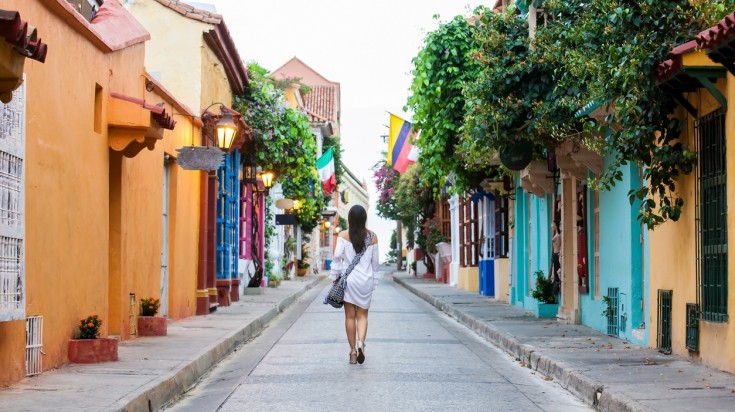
point(325, 167)
point(401, 139)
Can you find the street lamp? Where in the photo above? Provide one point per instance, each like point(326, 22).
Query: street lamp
point(225, 129)
point(267, 178)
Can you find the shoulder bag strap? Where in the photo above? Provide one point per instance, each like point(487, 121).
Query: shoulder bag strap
point(356, 260)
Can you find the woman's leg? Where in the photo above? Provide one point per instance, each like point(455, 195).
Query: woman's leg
point(350, 324)
point(362, 323)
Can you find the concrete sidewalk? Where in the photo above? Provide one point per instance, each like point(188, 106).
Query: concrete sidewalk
point(151, 371)
point(609, 373)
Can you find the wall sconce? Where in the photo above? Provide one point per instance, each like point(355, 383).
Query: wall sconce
point(327, 224)
point(249, 172)
point(225, 129)
point(267, 178)
point(296, 205)
point(337, 229)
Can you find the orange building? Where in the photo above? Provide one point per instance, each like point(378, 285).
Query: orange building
point(108, 217)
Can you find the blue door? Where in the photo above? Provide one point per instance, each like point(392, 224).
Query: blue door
point(487, 247)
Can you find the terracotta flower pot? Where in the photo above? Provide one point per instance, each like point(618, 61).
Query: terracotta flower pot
point(152, 326)
point(301, 271)
point(92, 350)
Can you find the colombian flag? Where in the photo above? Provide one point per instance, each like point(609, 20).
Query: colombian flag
point(401, 139)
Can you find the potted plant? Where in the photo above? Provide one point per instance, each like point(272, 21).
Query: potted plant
point(90, 348)
point(148, 323)
point(543, 293)
point(274, 279)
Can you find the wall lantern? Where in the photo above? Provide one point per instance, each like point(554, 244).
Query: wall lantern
point(267, 178)
point(225, 129)
point(249, 171)
point(296, 205)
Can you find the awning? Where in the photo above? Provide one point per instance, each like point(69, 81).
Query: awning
point(719, 41)
point(134, 124)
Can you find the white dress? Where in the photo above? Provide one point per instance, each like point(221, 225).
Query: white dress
point(364, 276)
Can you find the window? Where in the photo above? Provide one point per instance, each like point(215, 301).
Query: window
point(712, 217)
point(12, 213)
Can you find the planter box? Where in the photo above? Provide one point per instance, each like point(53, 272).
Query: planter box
point(152, 326)
point(92, 350)
point(547, 310)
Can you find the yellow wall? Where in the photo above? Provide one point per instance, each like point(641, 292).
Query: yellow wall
point(73, 248)
point(174, 50)
point(66, 187)
point(673, 251)
point(468, 278)
point(502, 280)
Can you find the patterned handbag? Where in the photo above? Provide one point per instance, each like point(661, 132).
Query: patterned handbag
point(336, 295)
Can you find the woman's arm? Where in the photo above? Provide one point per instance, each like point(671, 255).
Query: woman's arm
point(375, 262)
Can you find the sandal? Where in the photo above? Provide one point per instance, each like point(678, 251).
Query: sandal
point(360, 352)
point(353, 357)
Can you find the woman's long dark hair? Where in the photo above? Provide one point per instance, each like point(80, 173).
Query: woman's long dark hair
point(356, 219)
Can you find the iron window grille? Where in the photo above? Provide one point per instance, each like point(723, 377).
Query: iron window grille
point(693, 327)
point(663, 340)
point(711, 223)
point(613, 311)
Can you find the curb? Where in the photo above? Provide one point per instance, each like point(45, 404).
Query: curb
point(587, 389)
point(168, 387)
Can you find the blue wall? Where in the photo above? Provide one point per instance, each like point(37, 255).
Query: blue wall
point(533, 242)
point(621, 255)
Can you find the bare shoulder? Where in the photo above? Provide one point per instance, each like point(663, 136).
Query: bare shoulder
point(375, 239)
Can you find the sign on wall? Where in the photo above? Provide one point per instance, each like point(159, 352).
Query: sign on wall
point(12, 207)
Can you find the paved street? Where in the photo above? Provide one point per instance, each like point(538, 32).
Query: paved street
point(418, 359)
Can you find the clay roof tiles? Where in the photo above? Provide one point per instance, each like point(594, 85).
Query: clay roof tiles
point(321, 100)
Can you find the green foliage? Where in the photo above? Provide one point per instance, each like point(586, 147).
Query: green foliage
point(390, 257)
point(149, 306)
point(612, 48)
point(609, 311)
point(488, 82)
point(89, 327)
point(432, 233)
point(441, 68)
point(284, 144)
point(543, 291)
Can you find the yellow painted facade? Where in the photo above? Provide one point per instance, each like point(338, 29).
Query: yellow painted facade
point(673, 253)
point(94, 217)
point(468, 278)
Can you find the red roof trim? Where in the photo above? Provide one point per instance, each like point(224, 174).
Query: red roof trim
point(674, 63)
point(131, 30)
point(718, 34)
point(221, 43)
point(158, 112)
point(192, 12)
point(15, 31)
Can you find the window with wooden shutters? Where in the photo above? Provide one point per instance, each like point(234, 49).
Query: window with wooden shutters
point(12, 212)
point(469, 233)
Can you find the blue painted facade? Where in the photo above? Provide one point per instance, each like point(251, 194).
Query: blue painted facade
point(621, 254)
point(531, 245)
point(228, 216)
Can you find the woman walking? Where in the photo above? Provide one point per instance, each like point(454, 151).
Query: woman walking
point(361, 281)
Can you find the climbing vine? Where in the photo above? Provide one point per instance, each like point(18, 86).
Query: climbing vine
point(283, 143)
point(441, 68)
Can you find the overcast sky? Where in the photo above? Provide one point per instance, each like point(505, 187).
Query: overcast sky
point(365, 46)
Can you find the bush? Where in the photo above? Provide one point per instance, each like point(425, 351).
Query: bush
point(149, 307)
point(89, 327)
point(543, 291)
